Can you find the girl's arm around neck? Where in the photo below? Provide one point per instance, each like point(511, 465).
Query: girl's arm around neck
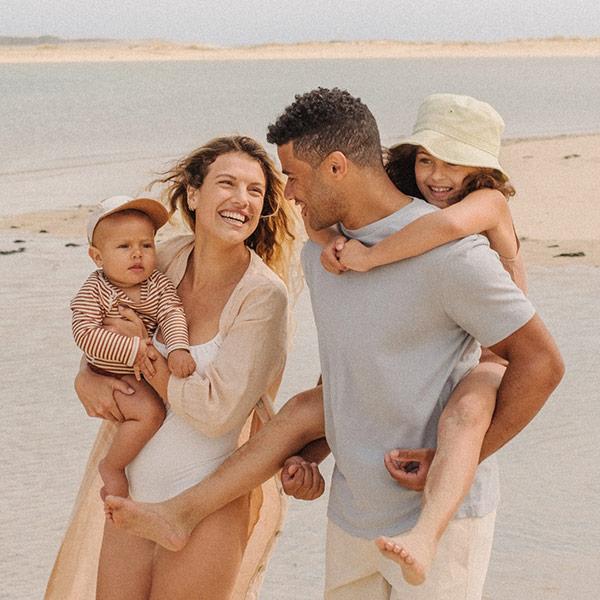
point(482, 211)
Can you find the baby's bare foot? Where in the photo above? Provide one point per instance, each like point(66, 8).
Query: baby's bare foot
point(115, 480)
point(411, 552)
point(152, 521)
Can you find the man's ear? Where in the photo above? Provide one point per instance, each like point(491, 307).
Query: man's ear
point(337, 164)
point(95, 255)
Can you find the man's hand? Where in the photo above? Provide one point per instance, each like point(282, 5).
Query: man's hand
point(302, 479)
point(181, 363)
point(409, 467)
point(330, 256)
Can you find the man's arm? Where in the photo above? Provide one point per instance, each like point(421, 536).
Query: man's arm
point(535, 368)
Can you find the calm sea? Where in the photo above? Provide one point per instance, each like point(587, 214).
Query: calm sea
point(73, 133)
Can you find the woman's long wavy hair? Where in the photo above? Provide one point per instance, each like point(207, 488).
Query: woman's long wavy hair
point(273, 239)
point(400, 167)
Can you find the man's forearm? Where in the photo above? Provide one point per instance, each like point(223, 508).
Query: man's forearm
point(316, 452)
point(526, 385)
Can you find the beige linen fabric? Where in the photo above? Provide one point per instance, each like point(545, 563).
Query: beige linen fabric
point(259, 299)
point(356, 570)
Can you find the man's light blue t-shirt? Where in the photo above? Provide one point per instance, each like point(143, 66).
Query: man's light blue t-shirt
point(389, 342)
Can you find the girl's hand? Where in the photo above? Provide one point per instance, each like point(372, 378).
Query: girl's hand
point(330, 256)
point(356, 256)
point(96, 394)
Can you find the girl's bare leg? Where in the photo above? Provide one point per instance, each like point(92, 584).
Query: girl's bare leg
point(206, 569)
point(170, 523)
point(461, 429)
point(144, 413)
point(125, 568)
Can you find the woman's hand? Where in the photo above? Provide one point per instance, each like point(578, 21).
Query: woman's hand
point(96, 393)
point(129, 324)
point(132, 326)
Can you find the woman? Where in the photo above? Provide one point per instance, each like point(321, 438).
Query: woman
point(230, 195)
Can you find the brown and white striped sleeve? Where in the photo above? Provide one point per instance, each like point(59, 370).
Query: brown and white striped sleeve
point(170, 315)
point(101, 346)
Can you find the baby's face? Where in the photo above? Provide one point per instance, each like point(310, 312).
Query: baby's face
point(123, 247)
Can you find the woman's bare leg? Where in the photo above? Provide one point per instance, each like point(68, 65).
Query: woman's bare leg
point(125, 567)
point(170, 523)
point(461, 429)
point(206, 569)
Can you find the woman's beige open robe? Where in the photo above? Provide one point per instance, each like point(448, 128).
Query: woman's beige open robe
point(237, 388)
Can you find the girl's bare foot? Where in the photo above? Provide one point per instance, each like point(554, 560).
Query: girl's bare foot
point(148, 520)
point(115, 480)
point(411, 552)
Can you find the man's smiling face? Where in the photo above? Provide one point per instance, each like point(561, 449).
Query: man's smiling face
point(309, 188)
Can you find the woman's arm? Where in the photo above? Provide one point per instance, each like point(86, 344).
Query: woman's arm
point(479, 212)
point(250, 359)
point(96, 393)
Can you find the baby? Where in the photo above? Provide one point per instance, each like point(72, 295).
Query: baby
point(121, 237)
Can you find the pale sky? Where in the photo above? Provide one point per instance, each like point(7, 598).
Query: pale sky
point(230, 23)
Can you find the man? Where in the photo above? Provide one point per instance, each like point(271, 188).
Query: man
point(389, 340)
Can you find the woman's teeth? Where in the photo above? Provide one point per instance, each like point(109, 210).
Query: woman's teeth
point(234, 216)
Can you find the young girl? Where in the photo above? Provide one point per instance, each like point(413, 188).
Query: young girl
point(444, 169)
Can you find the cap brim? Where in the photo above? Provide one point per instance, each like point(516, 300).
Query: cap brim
point(451, 150)
point(153, 208)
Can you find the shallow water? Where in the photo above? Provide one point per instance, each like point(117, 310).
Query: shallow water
point(74, 133)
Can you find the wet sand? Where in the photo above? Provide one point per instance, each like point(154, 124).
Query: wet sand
point(160, 50)
point(548, 530)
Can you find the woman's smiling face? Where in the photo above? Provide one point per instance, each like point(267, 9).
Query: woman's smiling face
point(229, 202)
point(437, 180)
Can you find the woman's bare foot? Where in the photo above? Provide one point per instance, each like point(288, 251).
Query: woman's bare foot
point(411, 552)
point(151, 521)
point(115, 480)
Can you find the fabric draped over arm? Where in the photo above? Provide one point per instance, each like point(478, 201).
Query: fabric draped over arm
point(252, 355)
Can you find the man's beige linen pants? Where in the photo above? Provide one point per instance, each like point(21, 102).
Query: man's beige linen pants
point(356, 570)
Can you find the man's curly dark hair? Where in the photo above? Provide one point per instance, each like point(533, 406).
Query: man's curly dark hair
point(325, 120)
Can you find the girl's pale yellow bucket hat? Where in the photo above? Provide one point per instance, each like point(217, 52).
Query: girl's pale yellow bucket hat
point(459, 130)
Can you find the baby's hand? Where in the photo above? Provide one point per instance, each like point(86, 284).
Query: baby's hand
point(355, 256)
point(181, 363)
point(330, 256)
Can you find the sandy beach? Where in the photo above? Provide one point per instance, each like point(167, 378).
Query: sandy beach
point(46, 436)
point(158, 50)
point(548, 527)
point(555, 209)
